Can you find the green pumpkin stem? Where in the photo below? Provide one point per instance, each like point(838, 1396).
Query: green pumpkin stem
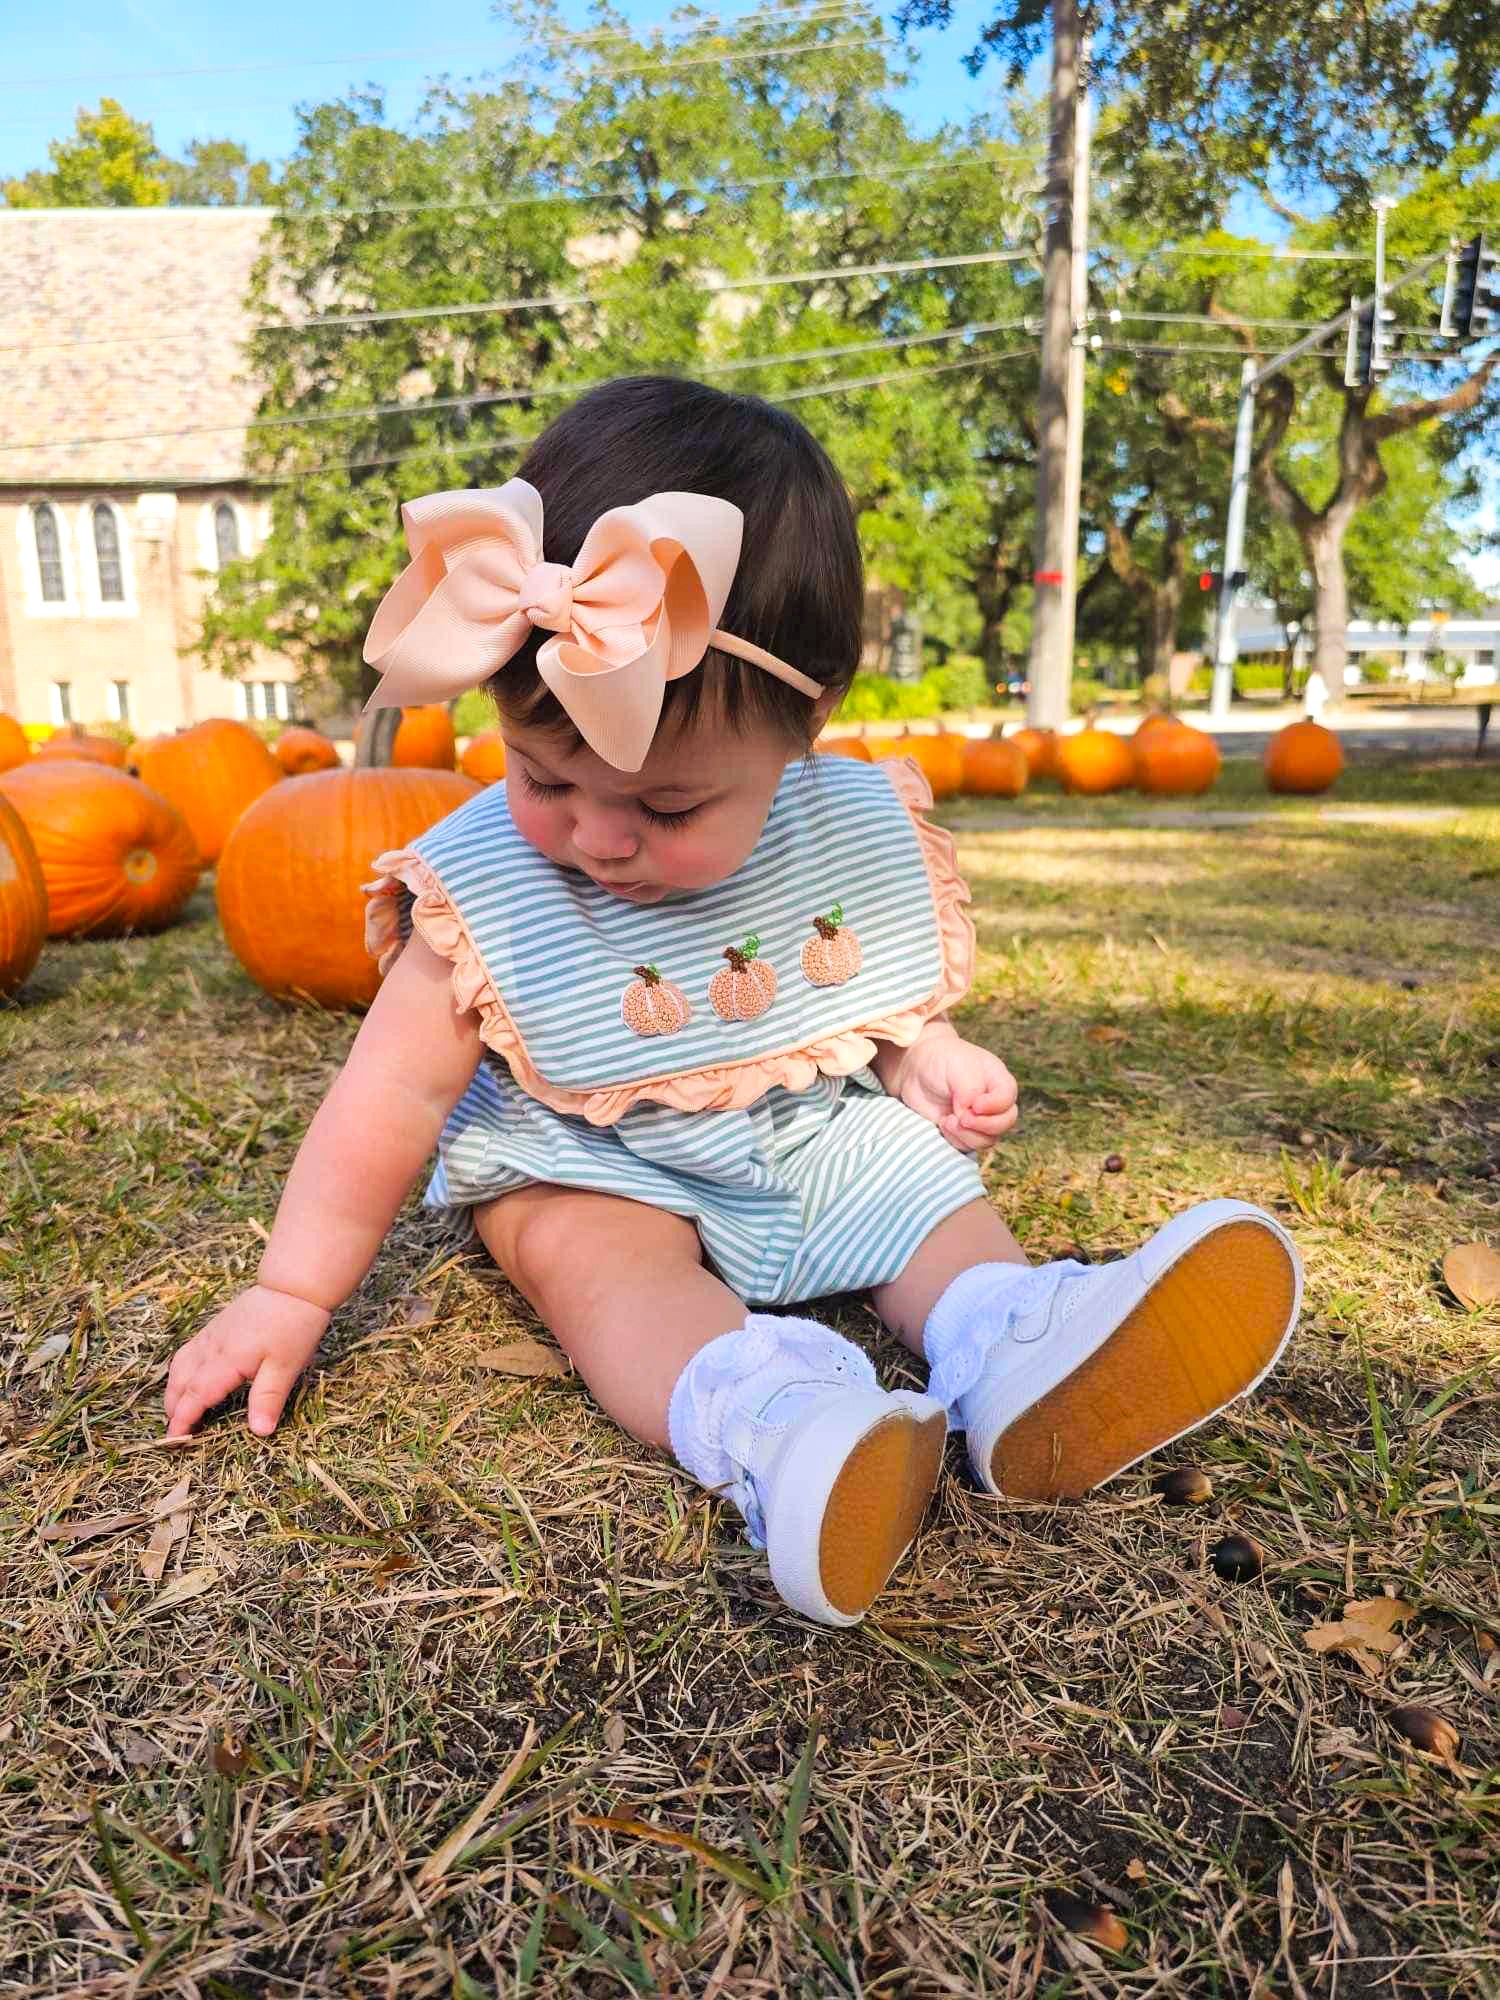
point(828, 927)
point(649, 973)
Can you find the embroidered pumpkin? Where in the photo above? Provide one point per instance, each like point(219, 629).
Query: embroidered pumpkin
point(92, 749)
point(23, 901)
point(14, 746)
point(747, 985)
point(114, 855)
point(425, 739)
point(299, 750)
point(652, 1005)
point(1303, 757)
point(833, 955)
point(291, 875)
point(212, 773)
point(484, 757)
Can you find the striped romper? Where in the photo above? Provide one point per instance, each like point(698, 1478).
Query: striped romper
point(629, 1053)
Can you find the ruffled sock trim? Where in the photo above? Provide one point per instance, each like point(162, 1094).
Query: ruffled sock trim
point(975, 1314)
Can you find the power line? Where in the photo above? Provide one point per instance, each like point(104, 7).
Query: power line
point(1117, 313)
point(484, 398)
point(1212, 250)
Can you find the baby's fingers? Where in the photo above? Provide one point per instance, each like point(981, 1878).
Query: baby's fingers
point(268, 1394)
point(208, 1381)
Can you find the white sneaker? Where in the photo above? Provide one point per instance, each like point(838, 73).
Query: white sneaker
point(1117, 1360)
point(841, 1487)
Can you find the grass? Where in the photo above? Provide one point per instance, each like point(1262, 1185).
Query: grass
point(452, 1689)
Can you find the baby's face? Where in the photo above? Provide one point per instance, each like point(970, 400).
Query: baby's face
point(685, 820)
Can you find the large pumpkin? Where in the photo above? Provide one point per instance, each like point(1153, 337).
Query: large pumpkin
point(1094, 760)
point(23, 901)
point(15, 747)
point(844, 746)
point(1175, 759)
point(115, 855)
point(75, 743)
point(298, 751)
point(1039, 748)
point(425, 739)
point(211, 773)
point(139, 749)
point(994, 768)
point(1303, 757)
point(941, 758)
point(484, 757)
point(292, 873)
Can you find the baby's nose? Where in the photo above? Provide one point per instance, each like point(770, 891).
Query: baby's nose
point(600, 837)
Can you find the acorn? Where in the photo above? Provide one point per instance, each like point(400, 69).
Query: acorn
point(1237, 1558)
point(1183, 1486)
point(1427, 1730)
point(1095, 1921)
point(1114, 1163)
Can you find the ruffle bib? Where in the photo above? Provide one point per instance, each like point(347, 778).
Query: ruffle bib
point(845, 928)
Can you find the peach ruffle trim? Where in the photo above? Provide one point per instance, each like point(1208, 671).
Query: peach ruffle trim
point(727, 1086)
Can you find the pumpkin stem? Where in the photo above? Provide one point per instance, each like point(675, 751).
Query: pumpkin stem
point(736, 957)
point(828, 927)
point(649, 973)
point(751, 945)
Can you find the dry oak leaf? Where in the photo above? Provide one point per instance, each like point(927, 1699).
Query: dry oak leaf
point(192, 1583)
point(1368, 1624)
point(1472, 1274)
point(522, 1357)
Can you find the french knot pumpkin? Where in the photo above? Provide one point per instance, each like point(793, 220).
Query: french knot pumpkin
point(747, 985)
point(652, 1005)
point(832, 955)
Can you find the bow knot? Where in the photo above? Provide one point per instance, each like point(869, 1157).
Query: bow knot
point(546, 596)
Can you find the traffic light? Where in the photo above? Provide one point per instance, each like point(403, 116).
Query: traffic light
point(1471, 291)
point(1368, 354)
point(1211, 579)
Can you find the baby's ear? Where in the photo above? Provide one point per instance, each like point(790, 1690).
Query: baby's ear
point(823, 707)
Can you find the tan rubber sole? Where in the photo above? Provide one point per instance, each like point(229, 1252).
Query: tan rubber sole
point(1203, 1333)
point(876, 1507)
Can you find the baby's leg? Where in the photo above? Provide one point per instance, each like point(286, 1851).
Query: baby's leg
point(620, 1285)
point(782, 1415)
point(1064, 1374)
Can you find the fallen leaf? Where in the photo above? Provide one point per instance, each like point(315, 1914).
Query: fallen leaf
point(1472, 1273)
point(1233, 1718)
point(50, 1349)
point(1103, 1033)
point(174, 1516)
point(229, 1756)
point(1368, 1624)
point(614, 1734)
point(1135, 1868)
point(414, 1310)
point(85, 1531)
point(522, 1357)
point(192, 1583)
point(138, 1749)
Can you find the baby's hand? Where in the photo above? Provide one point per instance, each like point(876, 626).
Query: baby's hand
point(264, 1338)
point(968, 1093)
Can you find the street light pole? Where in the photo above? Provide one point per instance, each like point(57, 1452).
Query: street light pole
point(1226, 644)
point(1078, 305)
point(1050, 668)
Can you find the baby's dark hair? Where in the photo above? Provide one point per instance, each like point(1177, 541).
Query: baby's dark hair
point(799, 588)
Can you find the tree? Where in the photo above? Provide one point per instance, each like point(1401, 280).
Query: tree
point(113, 161)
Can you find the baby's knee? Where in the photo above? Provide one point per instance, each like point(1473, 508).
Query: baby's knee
point(562, 1240)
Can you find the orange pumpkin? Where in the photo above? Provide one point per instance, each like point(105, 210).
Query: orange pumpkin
point(844, 746)
point(15, 747)
point(23, 901)
point(1094, 760)
point(298, 751)
point(747, 985)
point(1039, 748)
point(484, 757)
point(291, 874)
point(211, 773)
point(1303, 757)
point(995, 768)
point(652, 1005)
point(833, 954)
point(425, 739)
point(1146, 728)
point(115, 856)
point(1175, 760)
point(139, 748)
point(940, 758)
point(91, 749)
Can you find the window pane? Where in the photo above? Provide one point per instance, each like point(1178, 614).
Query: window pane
point(107, 552)
point(226, 533)
point(62, 701)
point(48, 552)
point(121, 691)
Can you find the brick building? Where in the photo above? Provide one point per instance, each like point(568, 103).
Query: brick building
point(123, 396)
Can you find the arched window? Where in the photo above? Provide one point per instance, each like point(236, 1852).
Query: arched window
point(48, 552)
point(107, 554)
point(226, 533)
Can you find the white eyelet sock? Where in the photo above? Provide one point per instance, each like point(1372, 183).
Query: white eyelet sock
point(1064, 1374)
point(831, 1472)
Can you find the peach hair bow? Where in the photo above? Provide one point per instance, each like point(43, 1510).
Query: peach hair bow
point(639, 607)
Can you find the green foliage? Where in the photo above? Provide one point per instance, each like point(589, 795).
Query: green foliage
point(877, 698)
point(113, 161)
point(473, 712)
point(960, 682)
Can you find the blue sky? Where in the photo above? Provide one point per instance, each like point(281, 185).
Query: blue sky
point(283, 53)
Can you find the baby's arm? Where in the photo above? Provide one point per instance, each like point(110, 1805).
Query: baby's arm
point(964, 1090)
point(412, 1060)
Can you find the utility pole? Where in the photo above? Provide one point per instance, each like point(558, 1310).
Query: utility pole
point(1225, 645)
point(1078, 308)
point(1050, 667)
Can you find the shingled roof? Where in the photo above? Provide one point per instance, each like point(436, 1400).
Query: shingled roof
point(119, 321)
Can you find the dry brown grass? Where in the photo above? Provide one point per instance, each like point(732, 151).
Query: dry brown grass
point(450, 1688)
